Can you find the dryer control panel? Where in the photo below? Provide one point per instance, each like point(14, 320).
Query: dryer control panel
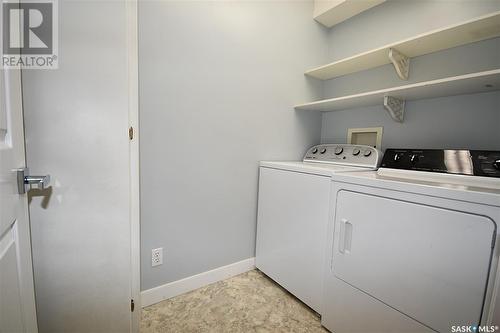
point(484, 163)
point(344, 154)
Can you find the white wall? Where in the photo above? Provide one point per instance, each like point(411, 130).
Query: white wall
point(76, 130)
point(218, 81)
point(452, 122)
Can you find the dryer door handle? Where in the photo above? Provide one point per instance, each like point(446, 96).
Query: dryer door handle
point(345, 240)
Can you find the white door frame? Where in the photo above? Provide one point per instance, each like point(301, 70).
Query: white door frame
point(133, 105)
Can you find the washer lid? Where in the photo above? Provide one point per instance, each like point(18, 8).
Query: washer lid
point(322, 169)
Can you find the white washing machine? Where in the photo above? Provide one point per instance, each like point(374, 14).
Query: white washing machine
point(293, 211)
point(413, 247)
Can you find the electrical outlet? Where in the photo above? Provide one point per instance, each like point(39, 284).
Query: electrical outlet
point(156, 257)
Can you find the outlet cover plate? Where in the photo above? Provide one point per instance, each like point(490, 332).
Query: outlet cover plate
point(156, 257)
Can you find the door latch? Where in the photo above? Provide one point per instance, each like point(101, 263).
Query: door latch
point(24, 180)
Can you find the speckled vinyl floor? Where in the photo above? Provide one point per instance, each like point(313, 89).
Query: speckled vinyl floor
point(249, 302)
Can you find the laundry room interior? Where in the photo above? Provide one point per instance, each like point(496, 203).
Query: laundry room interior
point(252, 166)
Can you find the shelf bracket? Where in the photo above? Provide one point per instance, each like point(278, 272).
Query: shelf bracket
point(401, 63)
point(395, 107)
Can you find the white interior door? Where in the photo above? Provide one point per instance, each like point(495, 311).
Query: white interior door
point(77, 122)
point(429, 263)
point(17, 300)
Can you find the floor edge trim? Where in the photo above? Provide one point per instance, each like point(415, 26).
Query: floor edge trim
point(175, 288)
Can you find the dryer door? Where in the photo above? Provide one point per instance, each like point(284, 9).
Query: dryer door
point(429, 263)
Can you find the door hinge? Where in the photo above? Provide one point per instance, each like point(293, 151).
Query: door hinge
point(131, 133)
point(132, 305)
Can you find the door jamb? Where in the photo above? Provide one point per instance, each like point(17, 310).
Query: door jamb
point(133, 111)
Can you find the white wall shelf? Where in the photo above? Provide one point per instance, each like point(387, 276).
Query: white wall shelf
point(480, 28)
point(331, 12)
point(450, 86)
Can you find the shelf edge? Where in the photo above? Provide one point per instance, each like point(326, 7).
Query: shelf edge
point(387, 91)
point(386, 47)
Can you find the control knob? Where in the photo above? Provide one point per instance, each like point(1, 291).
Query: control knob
point(496, 164)
point(314, 151)
point(414, 158)
point(398, 156)
point(322, 151)
point(339, 150)
point(356, 151)
point(367, 153)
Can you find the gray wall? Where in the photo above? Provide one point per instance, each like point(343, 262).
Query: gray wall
point(463, 121)
point(467, 121)
point(218, 81)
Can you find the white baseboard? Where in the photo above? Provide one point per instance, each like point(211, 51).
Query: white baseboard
point(172, 289)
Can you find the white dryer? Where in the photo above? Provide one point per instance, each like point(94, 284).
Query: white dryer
point(293, 211)
point(413, 247)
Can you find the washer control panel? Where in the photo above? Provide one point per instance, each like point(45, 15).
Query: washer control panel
point(344, 154)
point(484, 163)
